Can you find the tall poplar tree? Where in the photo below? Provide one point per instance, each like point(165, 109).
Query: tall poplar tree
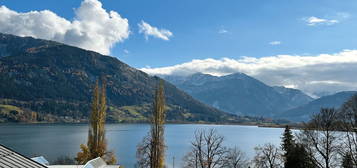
point(96, 144)
point(157, 128)
point(151, 152)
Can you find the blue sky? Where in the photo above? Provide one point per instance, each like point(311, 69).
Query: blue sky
point(250, 26)
point(228, 36)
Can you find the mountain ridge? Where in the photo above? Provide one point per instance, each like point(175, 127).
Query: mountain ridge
point(240, 94)
point(53, 82)
point(303, 113)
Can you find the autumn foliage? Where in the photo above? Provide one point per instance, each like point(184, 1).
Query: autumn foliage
point(96, 145)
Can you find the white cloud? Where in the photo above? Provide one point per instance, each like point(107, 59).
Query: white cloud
point(149, 30)
point(275, 43)
point(93, 28)
point(222, 31)
point(126, 51)
point(313, 21)
point(326, 82)
point(290, 86)
point(312, 74)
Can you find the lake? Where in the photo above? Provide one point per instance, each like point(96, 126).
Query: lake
point(54, 140)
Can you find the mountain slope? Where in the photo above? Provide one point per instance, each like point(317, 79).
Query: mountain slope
point(295, 97)
point(53, 82)
point(240, 94)
point(303, 113)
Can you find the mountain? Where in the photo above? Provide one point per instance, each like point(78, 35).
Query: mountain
point(43, 80)
point(303, 113)
point(240, 94)
point(295, 97)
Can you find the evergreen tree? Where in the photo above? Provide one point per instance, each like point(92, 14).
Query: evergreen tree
point(295, 155)
point(287, 146)
point(288, 140)
point(96, 145)
point(298, 157)
point(347, 161)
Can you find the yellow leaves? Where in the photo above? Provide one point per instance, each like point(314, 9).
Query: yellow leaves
point(96, 145)
point(152, 152)
point(83, 156)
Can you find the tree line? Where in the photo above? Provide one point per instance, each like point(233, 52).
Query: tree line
point(328, 140)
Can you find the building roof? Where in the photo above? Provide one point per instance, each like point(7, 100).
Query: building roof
point(80, 166)
point(12, 159)
point(95, 163)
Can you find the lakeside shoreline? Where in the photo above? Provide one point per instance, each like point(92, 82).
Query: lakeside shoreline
point(293, 126)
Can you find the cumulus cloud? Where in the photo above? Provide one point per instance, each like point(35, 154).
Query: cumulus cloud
point(93, 28)
point(149, 30)
point(312, 74)
point(313, 21)
point(275, 42)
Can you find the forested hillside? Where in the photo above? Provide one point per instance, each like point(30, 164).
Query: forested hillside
point(47, 81)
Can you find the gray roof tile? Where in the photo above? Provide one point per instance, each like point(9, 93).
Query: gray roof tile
point(12, 159)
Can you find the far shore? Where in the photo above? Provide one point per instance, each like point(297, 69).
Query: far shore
point(267, 125)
